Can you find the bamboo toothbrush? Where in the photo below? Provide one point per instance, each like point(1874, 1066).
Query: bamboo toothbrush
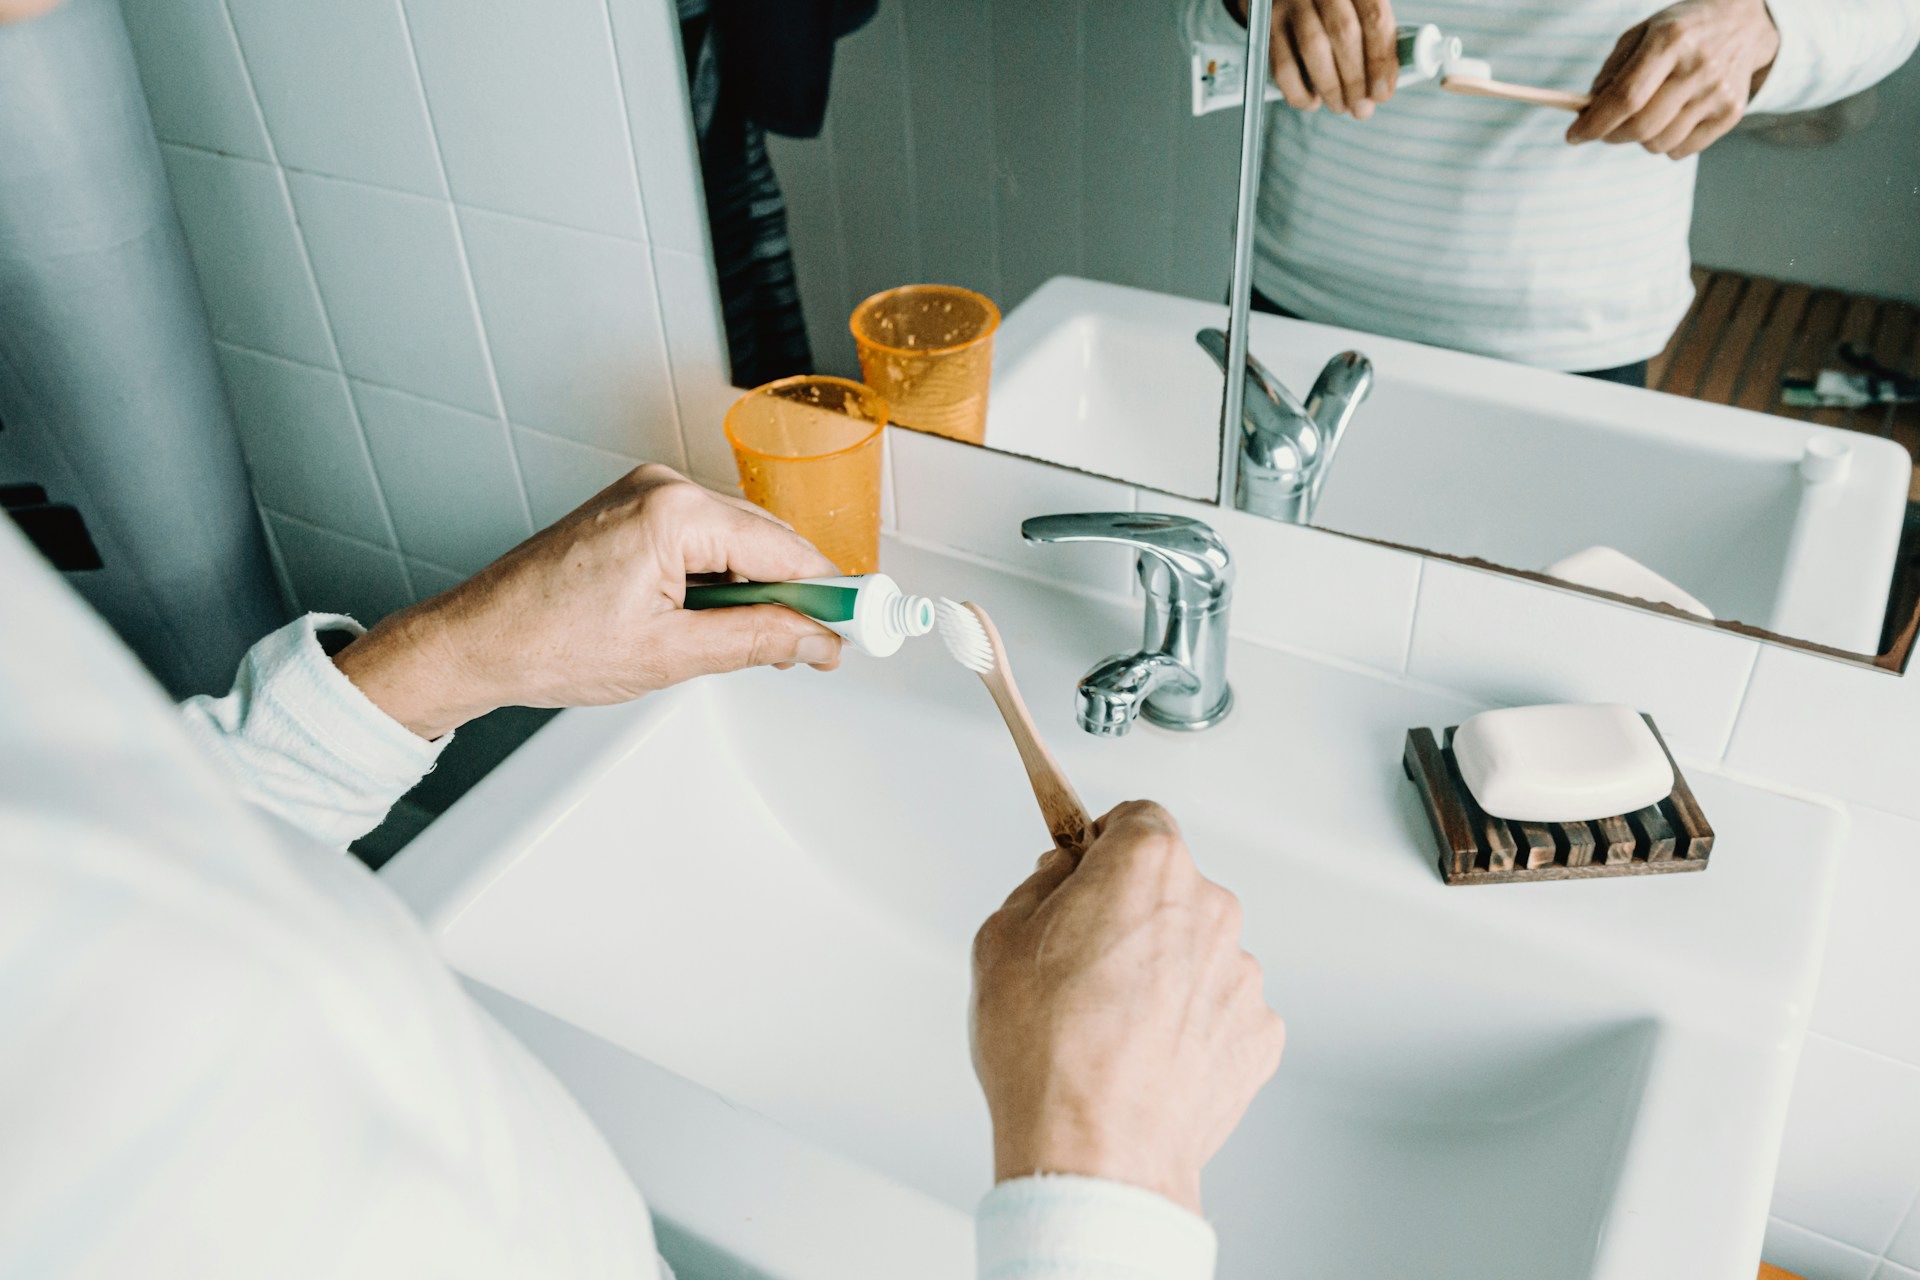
point(1487, 87)
point(973, 641)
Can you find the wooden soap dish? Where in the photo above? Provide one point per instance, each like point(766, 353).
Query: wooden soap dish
point(1476, 848)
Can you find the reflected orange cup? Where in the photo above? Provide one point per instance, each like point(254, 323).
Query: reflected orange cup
point(928, 350)
point(809, 451)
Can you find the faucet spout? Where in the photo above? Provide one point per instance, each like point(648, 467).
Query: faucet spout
point(1111, 696)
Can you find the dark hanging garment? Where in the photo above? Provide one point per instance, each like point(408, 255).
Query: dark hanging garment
point(780, 55)
point(753, 66)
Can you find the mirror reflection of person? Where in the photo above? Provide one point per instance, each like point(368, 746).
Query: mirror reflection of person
point(230, 1053)
point(1501, 229)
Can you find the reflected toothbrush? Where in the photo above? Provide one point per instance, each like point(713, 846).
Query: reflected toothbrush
point(974, 642)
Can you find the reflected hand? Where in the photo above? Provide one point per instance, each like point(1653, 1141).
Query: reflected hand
point(1119, 1031)
point(1679, 81)
point(587, 611)
point(1340, 52)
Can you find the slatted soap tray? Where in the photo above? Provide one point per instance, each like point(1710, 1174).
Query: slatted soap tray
point(1476, 848)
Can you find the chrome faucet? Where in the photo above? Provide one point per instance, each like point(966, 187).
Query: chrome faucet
point(1286, 448)
point(1178, 680)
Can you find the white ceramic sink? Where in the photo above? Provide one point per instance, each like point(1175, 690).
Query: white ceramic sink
point(735, 919)
point(1478, 458)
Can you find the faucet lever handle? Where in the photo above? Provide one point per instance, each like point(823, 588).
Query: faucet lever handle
point(1199, 564)
point(1259, 377)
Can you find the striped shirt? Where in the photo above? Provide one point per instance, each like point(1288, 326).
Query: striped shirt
point(1470, 223)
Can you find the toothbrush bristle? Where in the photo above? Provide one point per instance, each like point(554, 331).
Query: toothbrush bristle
point(965, 638)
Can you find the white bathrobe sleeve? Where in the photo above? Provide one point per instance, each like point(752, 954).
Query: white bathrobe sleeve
point(1066, 1228)
point(299, 739)
point(1831, 49)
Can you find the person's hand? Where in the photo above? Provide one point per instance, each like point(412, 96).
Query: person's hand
point(1337, 52)
point(1119, 1031)
point(587, 611)
point(1679, 81)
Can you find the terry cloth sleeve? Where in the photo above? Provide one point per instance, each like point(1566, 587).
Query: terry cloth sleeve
point(1059, 1227)
point(1831, 49)
point(299, 739)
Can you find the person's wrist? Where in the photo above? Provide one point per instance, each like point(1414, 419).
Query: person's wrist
point(413, 667)
point(1090, 1153)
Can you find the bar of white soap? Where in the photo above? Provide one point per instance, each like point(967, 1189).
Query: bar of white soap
point(1567, 762)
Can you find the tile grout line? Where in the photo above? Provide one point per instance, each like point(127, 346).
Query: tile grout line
point(1740, 705)
point(1833, 1240)
point(320, 300)
point(646, 229)
point(362, 543)
point(1913, 1211)
point(543, 432)
point(466, 273)
point(344, 180)
point(1413, 615)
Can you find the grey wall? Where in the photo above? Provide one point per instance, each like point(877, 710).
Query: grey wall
point(1846, 215)
point(999, 143)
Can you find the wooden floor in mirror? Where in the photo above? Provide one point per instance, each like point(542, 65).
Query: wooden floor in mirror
point(1748, 338)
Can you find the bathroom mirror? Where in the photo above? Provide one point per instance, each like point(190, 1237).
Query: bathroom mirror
point(996, 146)
point(1048, 155)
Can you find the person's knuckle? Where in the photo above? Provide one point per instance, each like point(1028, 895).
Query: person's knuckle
point(988, 938)
point(678, 497)
point(654, 473)
point(1228, 912)
point(1342, 23)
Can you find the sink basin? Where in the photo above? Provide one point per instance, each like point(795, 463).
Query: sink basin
point(735, 919)
point(1478, 458)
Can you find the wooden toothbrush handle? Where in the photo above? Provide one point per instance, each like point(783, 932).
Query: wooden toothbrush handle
point(1480, 87)
point(1066, 817)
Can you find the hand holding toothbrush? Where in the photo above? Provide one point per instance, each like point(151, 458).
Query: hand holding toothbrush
point(1679, 81)
point(1119, 1030)
point(587, 612)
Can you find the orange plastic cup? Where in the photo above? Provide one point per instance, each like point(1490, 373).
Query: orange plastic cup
point(928, 349)
point(809, 449)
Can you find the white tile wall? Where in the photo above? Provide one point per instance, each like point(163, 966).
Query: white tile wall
point(1868, 988)
point(1814, 1256)
point(1851, 1156)
point(560, 474)
point(1854, 734)
point(390, 272)
point(450, 476)
point(337, 85)
point(697, 351)
point(247, 254)
point(575, 334)
point(526, 107)
point(332, 573)
point(195, 83)
point(303, 443)
point(446, 252)
point(1905, 1249)
point(565, 267)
